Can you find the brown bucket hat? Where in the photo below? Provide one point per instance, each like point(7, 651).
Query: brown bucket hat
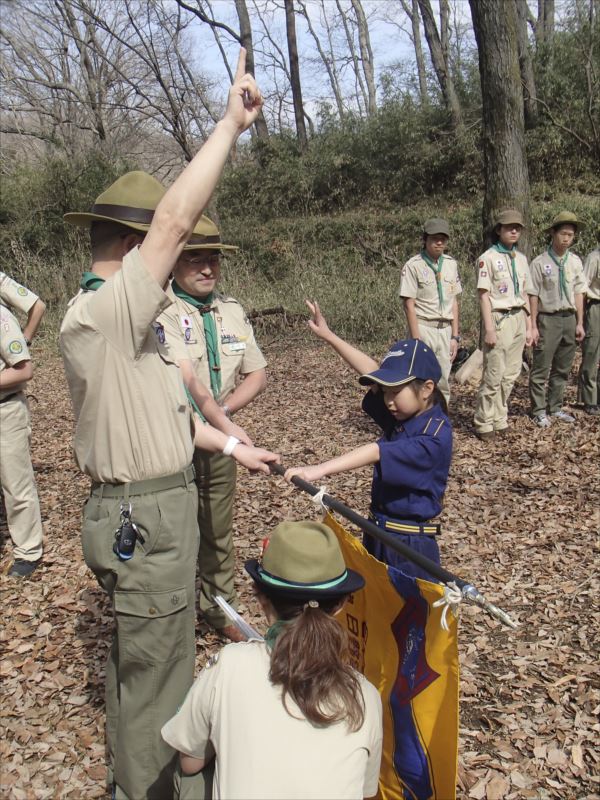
point(509, 216)
point(565, 218)
point(206, 236)
point(131, 200)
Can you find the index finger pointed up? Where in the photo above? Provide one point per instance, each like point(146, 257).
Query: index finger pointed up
point(241, 65)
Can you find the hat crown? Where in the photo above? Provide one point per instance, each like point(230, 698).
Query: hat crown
point(406, 360)
point(436, 225)
point(565, 218)
point(135, 189)
point(509, 216)
point(303, 552)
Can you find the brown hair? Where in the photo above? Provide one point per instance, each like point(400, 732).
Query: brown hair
point(436, 395)
point(310, 661)
point(103, 234)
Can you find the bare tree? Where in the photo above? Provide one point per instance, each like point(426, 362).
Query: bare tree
point(526, 66)
point(290, 27)
point(366, 54)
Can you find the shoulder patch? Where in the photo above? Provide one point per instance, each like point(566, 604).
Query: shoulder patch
point(22, 291)
point(15, 347)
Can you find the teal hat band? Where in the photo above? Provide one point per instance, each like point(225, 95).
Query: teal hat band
point(271, 579)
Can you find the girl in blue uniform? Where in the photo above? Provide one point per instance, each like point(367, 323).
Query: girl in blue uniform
point(412, 459)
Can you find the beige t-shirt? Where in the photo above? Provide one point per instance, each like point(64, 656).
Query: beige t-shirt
point(16, 296)
point(184, 337)
point(591, 270)
point(419, 281)
point(263, 752)
point(545, 283)
point(133, 421)
point(13, 348)
point(495, 276)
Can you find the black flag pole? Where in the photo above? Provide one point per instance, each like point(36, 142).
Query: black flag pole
point(467, 590)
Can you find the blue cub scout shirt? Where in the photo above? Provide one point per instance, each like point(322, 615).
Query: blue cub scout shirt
point(414, 460)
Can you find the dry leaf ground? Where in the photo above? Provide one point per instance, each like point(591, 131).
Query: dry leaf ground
point(521, 521)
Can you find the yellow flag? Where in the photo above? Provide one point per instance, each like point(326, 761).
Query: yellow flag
point(398, 643)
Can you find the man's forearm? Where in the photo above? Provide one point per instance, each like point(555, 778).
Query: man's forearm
point(411, 317)
point(579, 308)
point(246, 391)
point(34, 317)
point(13, 376)
point(486, 310)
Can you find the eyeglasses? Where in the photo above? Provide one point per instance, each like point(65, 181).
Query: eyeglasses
point(198, 257)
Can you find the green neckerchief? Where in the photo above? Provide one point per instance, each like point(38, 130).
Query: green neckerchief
point(90, 282)
point(512, 252)
point(274, 631)
point(562, 278)
point(210, 334)
point(437, 268)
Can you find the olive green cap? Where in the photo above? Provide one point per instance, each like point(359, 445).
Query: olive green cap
point(436, 225)
point(510, 216)
point(131, 200)
point(206, 236)
point(565, 218)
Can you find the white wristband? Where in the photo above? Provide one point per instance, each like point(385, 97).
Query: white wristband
point(229, 445)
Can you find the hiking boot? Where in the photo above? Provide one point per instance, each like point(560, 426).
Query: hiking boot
point(593, 410)
point(542, 421)
point(562, 416)
point(485, 436)
point(502, 432)
point(22, 568)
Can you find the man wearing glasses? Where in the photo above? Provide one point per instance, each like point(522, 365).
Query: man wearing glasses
point(214, 343)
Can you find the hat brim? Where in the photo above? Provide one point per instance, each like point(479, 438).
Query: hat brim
point(297, 591)
point(85, 219)
point(223, 247)
point(383, 377)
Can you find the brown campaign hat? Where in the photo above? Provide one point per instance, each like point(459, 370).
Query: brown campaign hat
point(510, 216)
point(131, 200)
point(206, 236)
point(565, 218)
point(436, 225)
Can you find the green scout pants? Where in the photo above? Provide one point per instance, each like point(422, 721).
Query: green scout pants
point(501, 367)
point(589, 374)
point(553, 355)
point(215, 479)
point(151, 662)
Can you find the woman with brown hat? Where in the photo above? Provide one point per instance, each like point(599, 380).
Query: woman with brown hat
point(287, 716)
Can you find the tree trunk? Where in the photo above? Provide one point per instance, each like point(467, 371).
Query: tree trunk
point(545, 21)
point(366, 54)
point(505, 163)
point(415, 22)
point(290, 26)
point(526, 66)
point(246, 41)
point(440, 65)
point(328, 61)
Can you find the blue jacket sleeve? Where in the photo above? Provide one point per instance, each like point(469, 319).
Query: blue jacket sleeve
point(374, 406)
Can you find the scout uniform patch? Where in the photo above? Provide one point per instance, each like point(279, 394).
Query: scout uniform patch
point(15, 347)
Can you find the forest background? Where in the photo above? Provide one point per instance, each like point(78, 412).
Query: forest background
point(378, 114)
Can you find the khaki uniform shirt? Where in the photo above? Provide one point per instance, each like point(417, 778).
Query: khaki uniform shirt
point(238, 351)
point(495, 276)
point(16, 296)
point(13, 348)
point(264, 752)
point(591, 270)
point(419, 281)
point(546, 285)
point(133, 421)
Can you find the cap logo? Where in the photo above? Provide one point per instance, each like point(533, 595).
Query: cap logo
point(394, 354)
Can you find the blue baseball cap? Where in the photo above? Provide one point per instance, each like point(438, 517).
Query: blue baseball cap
point(405, 361)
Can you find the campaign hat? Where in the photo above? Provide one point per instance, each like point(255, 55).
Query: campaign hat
point(564, 218)
point(302, 560)
point(436, 225)
point(131, 201)
point(510, 216)
point(405, 361)
point(206, 236)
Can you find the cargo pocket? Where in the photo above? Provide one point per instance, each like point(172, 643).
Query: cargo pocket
point(153, 626)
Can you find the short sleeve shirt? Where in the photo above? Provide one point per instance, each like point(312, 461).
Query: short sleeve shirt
point(418, 280)
point(238, 351)
point(494, 275)
point(13, 348)
point(133, 421)
point(16, 296)
point(591, 270)
point(265, 752)
point(545, 282)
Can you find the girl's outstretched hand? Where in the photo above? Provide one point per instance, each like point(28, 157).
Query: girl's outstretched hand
point(318, 323)
point(308, 474)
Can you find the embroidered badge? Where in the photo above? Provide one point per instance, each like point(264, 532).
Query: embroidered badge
point(501, 266)
point(15, 347)
point(22, 291)
point(499, 263)
point(481, 264)
point(424, 273)
point(187, 334)
point(547, 269)
point(186, 322)
point(483, 273)
point(503, 288)
point(160, 332)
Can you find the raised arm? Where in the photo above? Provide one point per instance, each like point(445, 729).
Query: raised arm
point(181, 207)
point(360, 362)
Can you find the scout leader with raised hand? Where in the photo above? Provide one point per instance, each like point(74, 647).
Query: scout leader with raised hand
point(14, 295)
point(16, 472)
point(217, 347)
point(503, 282)
point(429, 287)
point(556, 294)
point(133, 438)
point(589, 375)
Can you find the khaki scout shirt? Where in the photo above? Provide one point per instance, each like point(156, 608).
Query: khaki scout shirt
point(591, 270)
point(418, 280)
point(495, 276)
point(238, 350)
point(13, 348)
point(132, 416)
point(14, 295)
point(545, 283)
